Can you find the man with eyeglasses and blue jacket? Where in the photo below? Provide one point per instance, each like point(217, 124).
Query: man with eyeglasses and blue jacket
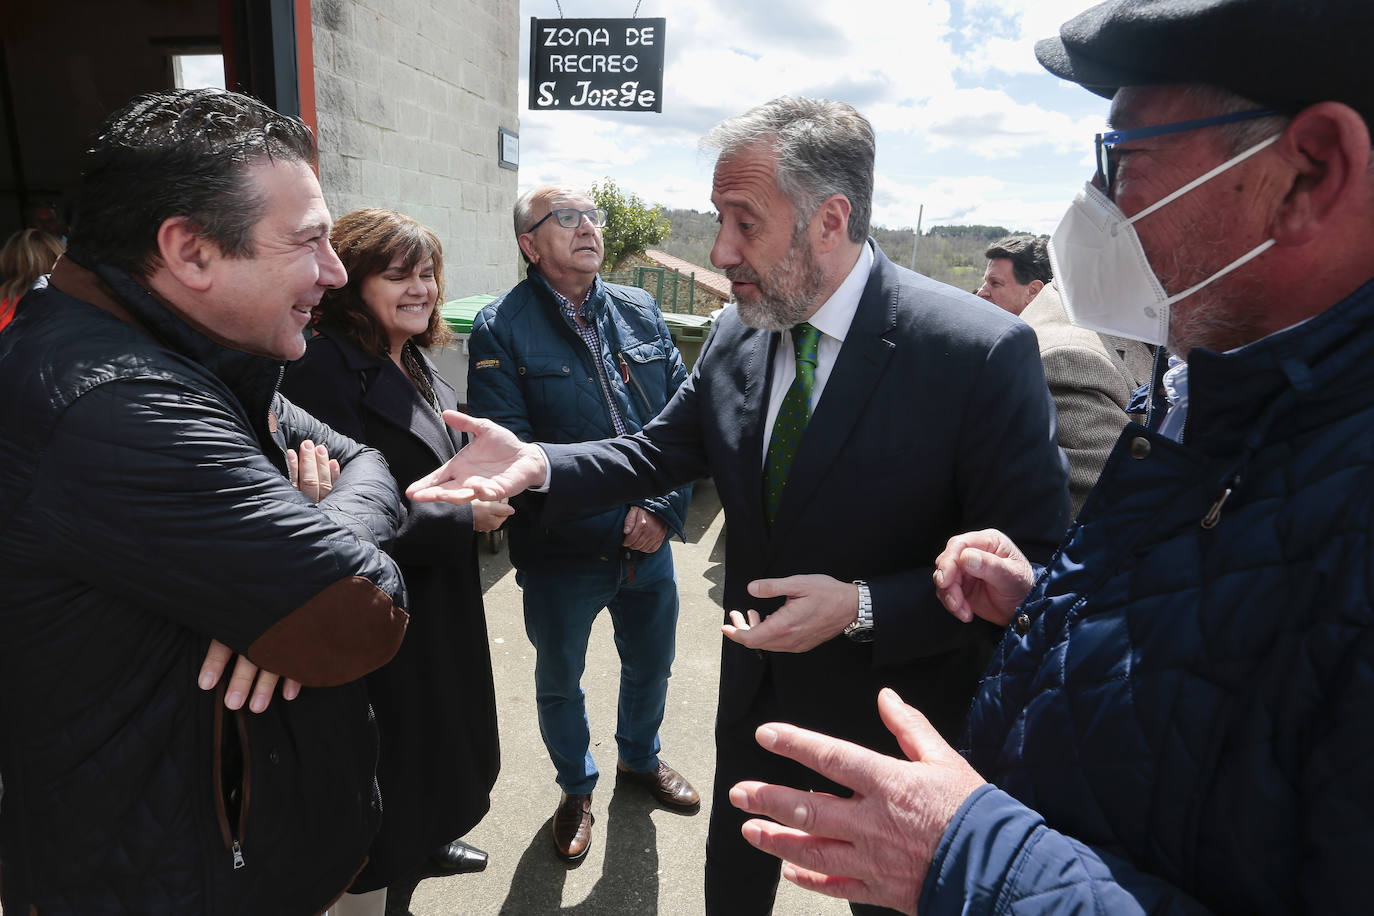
point(564, 357)
point(1180, 717)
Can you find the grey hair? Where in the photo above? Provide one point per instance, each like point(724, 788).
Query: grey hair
point(1242, 134)
point(823, 148)
point(524, 206)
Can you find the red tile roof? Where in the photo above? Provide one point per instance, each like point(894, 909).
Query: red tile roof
point(716, 283)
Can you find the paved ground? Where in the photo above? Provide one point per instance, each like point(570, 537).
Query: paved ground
point(643, 859)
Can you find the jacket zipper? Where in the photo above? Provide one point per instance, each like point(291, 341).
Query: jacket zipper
point(630, 377)
point(233, 843)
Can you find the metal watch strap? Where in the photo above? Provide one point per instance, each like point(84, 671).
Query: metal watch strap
point(861, 630)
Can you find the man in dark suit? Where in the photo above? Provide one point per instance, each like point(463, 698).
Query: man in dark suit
point(918, 411)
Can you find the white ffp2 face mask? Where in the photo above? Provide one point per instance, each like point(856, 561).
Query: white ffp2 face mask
point(1105, 279)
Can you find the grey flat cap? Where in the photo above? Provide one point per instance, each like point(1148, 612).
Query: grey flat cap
point(1284, 54)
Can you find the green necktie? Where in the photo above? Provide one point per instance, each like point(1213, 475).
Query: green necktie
point(793, 416)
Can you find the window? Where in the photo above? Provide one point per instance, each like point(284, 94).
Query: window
point(198, 71)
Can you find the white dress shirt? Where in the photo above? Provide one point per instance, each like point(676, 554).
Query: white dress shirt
point(832, 319)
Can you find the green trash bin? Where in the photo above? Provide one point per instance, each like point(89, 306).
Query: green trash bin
point(689, 332)
point(452, 360)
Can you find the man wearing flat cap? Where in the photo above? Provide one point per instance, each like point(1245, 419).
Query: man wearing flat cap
point(1180, 716)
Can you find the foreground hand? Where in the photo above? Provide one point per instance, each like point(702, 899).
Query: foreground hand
point(982, 573)
point(644, 531)
point(494, 465)
point(312, 471)
point(817, 608)
point(241, 681)
point(488, 516)
point(875, 847)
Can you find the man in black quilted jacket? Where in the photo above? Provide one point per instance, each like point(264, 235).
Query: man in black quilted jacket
point(148, 517)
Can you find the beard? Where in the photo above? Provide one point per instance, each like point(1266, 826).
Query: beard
point(1218, 322)
point(1222, 315)
point(788, 296)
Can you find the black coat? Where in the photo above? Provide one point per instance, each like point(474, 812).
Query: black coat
point(435, 703)
point(935, 420)
point(144, 508)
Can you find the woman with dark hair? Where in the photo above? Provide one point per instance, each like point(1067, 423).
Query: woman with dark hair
point(365, 374)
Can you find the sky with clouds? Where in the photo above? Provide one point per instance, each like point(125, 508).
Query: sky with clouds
point(967, 121)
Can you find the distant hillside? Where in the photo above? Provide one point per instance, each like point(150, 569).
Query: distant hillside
point(950, 254)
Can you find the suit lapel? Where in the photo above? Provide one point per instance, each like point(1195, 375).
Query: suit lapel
point(395, 401)
point(447, 396)
point(853, 380)
point(758, 377)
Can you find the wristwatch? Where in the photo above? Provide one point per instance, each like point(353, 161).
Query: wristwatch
point(861, 630)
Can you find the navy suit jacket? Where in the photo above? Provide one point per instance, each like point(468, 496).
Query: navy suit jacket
point(935, 420)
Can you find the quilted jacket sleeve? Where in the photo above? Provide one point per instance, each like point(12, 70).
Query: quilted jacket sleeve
point(321, 384)
point(364, 499)
point(493, 386)
point(494, 392)
point(997, 856)
point(186, 517)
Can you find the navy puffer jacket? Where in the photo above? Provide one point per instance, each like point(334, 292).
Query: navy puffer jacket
point(530, 371)
point(1187, 722)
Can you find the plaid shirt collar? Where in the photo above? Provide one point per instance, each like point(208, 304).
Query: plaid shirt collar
point(570, 308)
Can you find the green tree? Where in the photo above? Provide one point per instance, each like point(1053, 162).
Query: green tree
point(631, 224)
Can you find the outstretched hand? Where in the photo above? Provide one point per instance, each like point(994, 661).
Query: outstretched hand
point(982, 574)
point(495, 465)
point(877, 846)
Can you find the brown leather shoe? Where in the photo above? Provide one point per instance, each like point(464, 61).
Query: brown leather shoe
point(665, 784)
point(572, 826)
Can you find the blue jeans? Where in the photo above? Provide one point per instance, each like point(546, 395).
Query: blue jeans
point(559, 610)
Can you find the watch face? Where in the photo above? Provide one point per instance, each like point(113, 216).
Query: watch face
point(860, 634)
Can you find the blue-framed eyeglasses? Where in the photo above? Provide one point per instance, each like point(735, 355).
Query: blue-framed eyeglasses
point(570, 218)
point(1106, 162)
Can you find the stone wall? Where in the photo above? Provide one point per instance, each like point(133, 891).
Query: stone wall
point(409, 95)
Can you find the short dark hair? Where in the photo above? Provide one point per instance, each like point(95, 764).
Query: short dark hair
point(367, 241)
point(182, 152)
point(1029, 256)
point(823, 148)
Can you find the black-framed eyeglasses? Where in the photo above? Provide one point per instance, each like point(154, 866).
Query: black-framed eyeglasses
point(1106, 162)
point(570, 218)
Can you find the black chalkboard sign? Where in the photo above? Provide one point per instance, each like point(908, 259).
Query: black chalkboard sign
point(596, 64)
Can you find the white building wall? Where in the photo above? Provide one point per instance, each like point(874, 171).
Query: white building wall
point(409, 95)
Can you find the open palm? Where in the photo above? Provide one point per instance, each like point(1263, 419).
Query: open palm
point(493, 465)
